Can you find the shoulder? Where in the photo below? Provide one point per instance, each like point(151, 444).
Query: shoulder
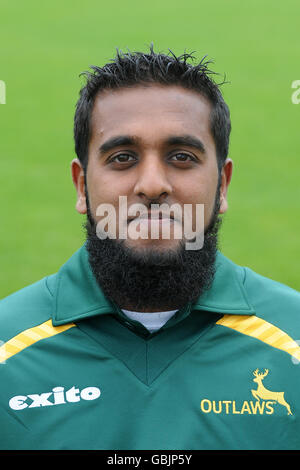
point(26, 308)
point(273, 301)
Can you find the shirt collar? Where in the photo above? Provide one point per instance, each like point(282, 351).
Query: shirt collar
point(77, 295)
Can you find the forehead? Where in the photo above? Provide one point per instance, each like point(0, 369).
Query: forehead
point(152, 111)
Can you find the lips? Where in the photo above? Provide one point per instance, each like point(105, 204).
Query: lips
point(151, 215)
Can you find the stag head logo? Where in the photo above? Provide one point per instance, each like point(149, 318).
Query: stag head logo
point(265, 394)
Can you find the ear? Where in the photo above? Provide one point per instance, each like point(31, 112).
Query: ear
point(78, 180)
point(225, 181)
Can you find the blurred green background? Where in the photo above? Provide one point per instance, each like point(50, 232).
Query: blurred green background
point(45, 45)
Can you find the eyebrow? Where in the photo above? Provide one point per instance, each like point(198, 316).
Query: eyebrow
point(121, 140)
point(117, 141)
point(187, 140)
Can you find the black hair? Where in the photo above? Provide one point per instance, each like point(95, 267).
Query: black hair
point(134, 68)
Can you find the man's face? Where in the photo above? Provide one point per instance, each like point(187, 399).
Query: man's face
point(151, 144)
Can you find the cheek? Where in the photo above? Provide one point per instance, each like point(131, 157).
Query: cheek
point(105, 188)
point(98, 189)
point(203, 194)
point(210, 204)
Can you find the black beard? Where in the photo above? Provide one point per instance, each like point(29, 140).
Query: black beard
point(149, 280)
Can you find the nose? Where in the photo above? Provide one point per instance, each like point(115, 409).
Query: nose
point(152, 180)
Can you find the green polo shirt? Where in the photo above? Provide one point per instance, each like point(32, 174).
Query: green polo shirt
point(222, 373)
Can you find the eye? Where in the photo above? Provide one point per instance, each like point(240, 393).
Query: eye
point(183, 157)
point(122, 158)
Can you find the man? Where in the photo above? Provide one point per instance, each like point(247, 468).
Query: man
point(144, 340)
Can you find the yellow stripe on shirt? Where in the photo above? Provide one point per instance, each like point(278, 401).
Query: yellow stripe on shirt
point(28, 337)
point(258, 328)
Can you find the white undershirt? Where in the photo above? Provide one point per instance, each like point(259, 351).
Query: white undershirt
point(153, 321)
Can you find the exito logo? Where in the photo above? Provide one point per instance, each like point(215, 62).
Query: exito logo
point(2, 92)
point(264, 404)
